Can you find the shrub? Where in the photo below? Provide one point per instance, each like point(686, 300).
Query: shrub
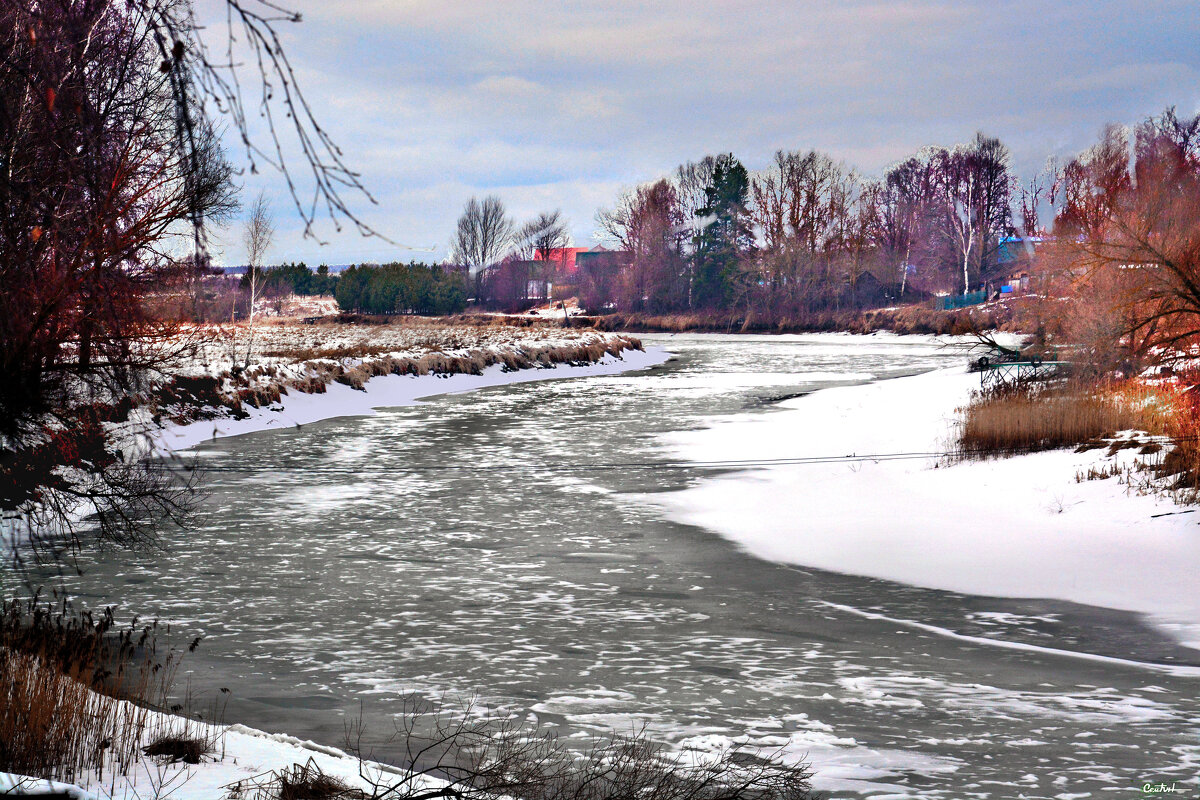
point(481, 756)
point(1181, 463)
point(355, 378)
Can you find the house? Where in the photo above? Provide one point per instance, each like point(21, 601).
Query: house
point(573, 264)
point(563, 258)
point(1014, 259)
point(601, 258)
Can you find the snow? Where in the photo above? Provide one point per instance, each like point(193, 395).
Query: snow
point(385, 391)
point(239, 754)
point(1016, 527)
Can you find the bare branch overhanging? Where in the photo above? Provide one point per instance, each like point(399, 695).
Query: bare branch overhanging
point(198, 79)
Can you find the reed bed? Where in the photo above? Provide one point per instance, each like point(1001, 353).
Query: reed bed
point(77, 691)
point(909, 319)
point(54, 726)
point(1026, 418)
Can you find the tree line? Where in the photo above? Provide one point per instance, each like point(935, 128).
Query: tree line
point(1116, 228)
point(294, 278)
point(412, 288)
point(807, 233)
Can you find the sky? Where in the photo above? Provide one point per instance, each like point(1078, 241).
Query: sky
point(565, 104)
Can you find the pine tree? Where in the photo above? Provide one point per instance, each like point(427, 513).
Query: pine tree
point(723, 234)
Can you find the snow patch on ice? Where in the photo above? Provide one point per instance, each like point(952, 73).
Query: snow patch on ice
point(1015, 527)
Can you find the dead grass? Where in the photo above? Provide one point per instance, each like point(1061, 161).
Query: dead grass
point(63, 677)
point(1029, 417)
point(909, 319)
point(308, 358)
point(320, 373)
point(1024, 419)
point(188, 748)
point(53, 726)
point(297, 782)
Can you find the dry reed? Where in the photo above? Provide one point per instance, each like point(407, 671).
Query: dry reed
point(67, 678)
point(302, 782)
point(1026, 417)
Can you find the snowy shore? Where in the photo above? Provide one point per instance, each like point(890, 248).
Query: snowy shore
point(1016, 527)
point(385, 391)
point(240, 761)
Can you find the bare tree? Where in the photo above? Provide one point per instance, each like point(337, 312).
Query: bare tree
point(975, 202)
point(483, 235)
point(1129, 226)
point(648, 224)
point(258, 236)
point(690, 181)
point(902, 223)
point(96, 187)
point(805, 213)
point(960, 194)
point(240, 71)
point(542, 237)
point(111, 157)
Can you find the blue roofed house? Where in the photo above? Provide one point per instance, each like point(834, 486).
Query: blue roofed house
point(1014, 262)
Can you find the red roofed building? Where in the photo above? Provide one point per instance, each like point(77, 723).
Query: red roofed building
point(563, 257)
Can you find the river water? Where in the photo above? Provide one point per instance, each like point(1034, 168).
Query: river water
point(463, 548)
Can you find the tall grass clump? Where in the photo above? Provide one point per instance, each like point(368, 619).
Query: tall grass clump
point(75, 690)
point(1030, 416)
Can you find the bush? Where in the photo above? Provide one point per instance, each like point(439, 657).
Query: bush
point(303, 782)
point(1181, 464)
point(185, 747)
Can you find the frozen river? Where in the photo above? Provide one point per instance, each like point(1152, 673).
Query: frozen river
point(464, 547)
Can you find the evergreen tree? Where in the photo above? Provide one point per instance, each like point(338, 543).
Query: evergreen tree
point(401, 289)
point(724, 234)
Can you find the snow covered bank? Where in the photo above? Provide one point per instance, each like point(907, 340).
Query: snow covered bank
point(386, 391)
point(241, 760)
point(1016, 527)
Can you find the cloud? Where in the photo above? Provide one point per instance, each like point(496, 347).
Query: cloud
point(560, 105)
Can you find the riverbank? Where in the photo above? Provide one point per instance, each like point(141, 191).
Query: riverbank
point(919, 318)
point(1029, 526)
point(399, 567)
point(245, 762)
point(303, 374)
point(237, 762)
